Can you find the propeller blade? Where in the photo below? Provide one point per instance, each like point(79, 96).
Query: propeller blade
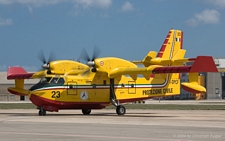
point(96, 53)
point(45, 63)
point(84, 56)
point(51, 57)
point(41, 57)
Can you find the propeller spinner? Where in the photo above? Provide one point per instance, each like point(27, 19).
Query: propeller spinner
point(45, 63)
point(90, 60)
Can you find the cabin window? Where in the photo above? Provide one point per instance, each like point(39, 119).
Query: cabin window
point(61, 81)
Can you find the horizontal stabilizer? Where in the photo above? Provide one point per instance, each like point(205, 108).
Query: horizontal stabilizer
point(160, 61)
point(18, 73)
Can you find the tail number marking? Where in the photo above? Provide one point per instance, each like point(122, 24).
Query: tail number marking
point(55, 94)
point(174, 82)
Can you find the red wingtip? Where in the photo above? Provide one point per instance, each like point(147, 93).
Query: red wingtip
point(204, 64)
point(18, 73)
point(16, 70)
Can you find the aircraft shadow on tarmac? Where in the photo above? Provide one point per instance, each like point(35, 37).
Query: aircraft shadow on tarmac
point(50, 114)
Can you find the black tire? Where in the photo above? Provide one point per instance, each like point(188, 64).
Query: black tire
point(39, 113)
point(42, 112)
point(86, 111)
point(120, 110)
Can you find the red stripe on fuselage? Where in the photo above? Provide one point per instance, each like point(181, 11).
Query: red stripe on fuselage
point(40, 101)
point(53, 105)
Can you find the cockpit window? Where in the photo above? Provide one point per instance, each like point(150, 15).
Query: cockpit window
point(61, 81)
point(54, 80)
point(45, 80)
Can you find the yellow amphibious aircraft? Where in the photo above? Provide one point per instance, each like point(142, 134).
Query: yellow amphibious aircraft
point(67, 84)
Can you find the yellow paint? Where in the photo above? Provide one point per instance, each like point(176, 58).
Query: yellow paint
point(82, 84)
point(67, 66)
point(201, 81)
point(19, 83)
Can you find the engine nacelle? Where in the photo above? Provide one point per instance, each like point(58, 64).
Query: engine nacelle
point(65, 66)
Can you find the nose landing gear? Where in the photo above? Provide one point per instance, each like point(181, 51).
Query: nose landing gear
point(42, 112)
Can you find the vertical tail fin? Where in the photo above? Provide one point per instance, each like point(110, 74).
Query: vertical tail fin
point(171, 49)
point(171, 45)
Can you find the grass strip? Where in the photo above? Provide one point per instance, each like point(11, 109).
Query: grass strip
point(172, 107)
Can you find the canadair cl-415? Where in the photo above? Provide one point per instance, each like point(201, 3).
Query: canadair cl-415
point(67, 84)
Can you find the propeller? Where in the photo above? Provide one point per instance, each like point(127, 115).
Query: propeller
point(96, 53)
point(45, 63)
point(90, 60)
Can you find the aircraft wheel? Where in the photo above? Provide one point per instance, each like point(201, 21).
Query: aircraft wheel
point(86, 111)
point(120, 110)
point(42, 112)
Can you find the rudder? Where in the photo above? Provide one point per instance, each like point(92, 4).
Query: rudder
point(171, 45)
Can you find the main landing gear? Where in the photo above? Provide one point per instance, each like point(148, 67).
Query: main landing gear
point(120, 110)
point(42, 112)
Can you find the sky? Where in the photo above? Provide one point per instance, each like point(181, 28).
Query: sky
point(127, 29)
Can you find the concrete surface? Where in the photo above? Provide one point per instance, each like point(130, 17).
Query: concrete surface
point(102, 125)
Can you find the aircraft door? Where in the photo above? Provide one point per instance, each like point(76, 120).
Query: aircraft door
point(131, 87)
point(72, 88)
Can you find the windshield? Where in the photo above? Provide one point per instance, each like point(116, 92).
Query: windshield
point(45, 80)
point(52, 80)
point(48, 81)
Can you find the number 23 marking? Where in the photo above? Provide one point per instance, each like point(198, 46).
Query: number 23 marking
point(55, 94)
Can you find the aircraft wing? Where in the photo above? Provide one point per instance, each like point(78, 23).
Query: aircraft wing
point(201, 64)
point(18, 74)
